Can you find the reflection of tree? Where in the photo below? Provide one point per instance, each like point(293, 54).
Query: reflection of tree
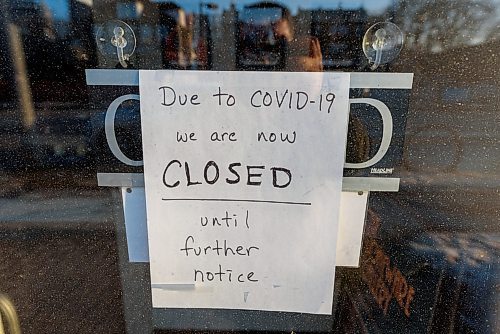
point(441, 24)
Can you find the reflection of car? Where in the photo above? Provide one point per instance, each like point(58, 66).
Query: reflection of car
point(60, 138)
point(466, 265)
point(13, 152)
point(409, 281)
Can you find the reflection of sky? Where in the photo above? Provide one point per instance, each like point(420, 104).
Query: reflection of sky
point(376, 6)
point(261, 16)
point(58, 8)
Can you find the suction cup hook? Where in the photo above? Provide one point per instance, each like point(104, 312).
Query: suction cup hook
point(382, 43)
point(116, 39)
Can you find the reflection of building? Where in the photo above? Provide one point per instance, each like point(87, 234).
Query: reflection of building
point(27, 14)
point(176, 34)
point(82, 34)
point(50, 61)
point(11, 125)
point(48, 104)
point(224, 53)
point(7, 93)
point(169, 33)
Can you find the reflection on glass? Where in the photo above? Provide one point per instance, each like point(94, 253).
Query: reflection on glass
point(264, 31)
point(439, 235)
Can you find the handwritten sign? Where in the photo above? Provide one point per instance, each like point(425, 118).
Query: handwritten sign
point(243, 175)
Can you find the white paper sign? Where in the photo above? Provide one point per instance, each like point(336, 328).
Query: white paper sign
point(243, 175)
point(349, 237)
